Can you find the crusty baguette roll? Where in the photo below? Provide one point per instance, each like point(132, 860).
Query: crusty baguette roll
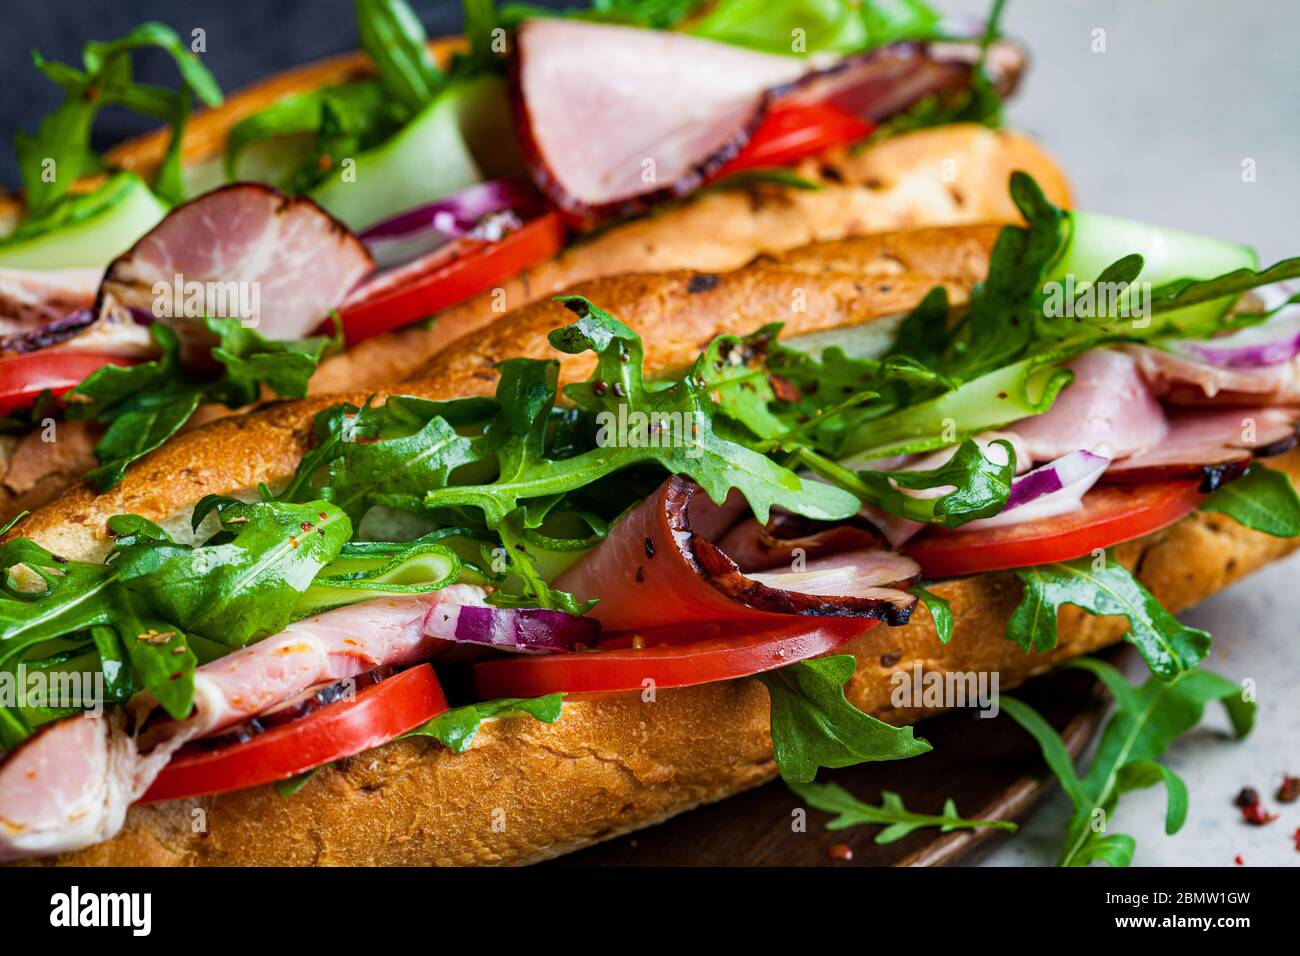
point(526, 791)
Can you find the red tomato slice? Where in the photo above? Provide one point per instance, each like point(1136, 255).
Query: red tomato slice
point(379, 713)
point(792, 131)
point(678, 656)
point(1110, 514)
point(470, 267)
point(24, 377)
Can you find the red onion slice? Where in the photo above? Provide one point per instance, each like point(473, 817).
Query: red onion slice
point(488, 207)
point(1274, 342)
point(1049, 490)
point(517, 629)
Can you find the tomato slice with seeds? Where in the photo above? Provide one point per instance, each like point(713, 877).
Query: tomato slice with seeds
point(24, 377)
point(677, 656)
point(1111, 514)
point(379, 713)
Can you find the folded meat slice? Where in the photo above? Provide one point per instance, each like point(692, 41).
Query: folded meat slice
point(667, 108)
point(247, 251)
point(71, 784)
point(37, 296)
point(1214, 445)
point(786, 536)
point(1183, 380)
point(671, 109)
point(653, 570)
point(1108, 409)
point(317, 650)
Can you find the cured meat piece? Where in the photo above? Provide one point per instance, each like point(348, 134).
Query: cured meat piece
point(653, 570)
point(756, 547)
point(38, 296)
point(673, 109)
point(1108, 409)
point(1214, 445)
point(246, 251)
point(1182, 380)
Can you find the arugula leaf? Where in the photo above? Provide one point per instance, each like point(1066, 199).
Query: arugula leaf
point(537, 593)
point(940, 612)
point(676, 432)
point(897, 820)
point(243, 588)
point(814, 726)
point(1262, 500)
point(64, 136)
point(77, 597)
point(394, 38)
point(145, 404)
point(1004, 309)
point(287, 788)
point(980, 487)
point(1146, 721)
point(1168, 646)
point(456, 728)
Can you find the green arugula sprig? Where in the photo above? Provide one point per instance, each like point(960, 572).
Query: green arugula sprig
point(897, 820)
point(1146, 721)
point(1264, 499)
point(144, 405)
point(107, 79)
point(1104, 587)
point(814, 726)
point(690, 445)
point(456, 728)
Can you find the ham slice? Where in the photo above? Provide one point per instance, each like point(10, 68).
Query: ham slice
point(278, 263)
point(1108, 409)
point(1215, 446)
point(38, 296)
point(667, 109)
point(756, 547)
point(653, 570)
point(1183, 380)
point(71, 784)
point(670, 110)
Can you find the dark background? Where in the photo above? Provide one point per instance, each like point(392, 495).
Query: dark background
point(246, 40)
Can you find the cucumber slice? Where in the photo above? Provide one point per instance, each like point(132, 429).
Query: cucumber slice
point(86, 231)
point(427, 160)
point(1095, 241)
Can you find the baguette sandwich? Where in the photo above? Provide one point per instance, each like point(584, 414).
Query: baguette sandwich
point(650, 543)
point(118, 294)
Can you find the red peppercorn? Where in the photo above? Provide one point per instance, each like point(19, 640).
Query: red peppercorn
point(1256, 815)
point(1289, 791)
point(1238, 860)
point(840, 853)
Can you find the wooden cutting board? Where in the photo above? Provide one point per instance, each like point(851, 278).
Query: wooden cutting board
point(990, 767)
